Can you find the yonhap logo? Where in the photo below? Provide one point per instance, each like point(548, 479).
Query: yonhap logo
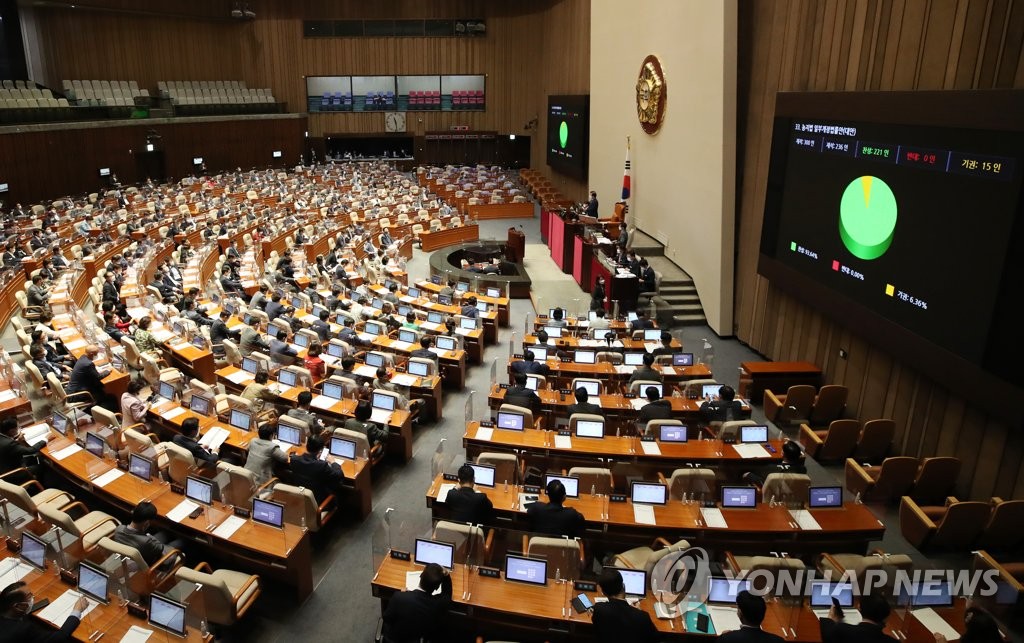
point(679, 573)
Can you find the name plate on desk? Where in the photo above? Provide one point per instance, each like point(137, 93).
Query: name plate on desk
point(451, 476)
point(617, 497)
point(487, 424)
point(136, 610)
point(565, 432)
point(629, 396)
point(584, 586)
point(517, 356)
point(531, 488)
point(648, 438)
point(177, 488)
point(241, 512)
point(490, 572)
point(398, 554)
point(505, 386)
point(565, 391)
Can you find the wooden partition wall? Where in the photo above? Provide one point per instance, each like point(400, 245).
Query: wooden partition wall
point(859, 45)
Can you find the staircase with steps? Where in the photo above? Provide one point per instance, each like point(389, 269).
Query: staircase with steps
point(678, 303)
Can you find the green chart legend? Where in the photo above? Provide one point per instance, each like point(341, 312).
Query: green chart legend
point(867, 217)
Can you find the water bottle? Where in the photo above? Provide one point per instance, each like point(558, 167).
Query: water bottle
point(771, 501)
point(506, 486)
point(558, 575)
point(204, 629)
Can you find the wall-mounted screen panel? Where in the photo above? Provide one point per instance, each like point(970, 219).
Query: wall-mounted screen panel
point(395, 93)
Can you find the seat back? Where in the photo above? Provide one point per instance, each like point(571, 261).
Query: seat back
point(794, 405)
point(730, 431)
point(181, 463)
point(696, 483)
point(935, 480)
point(895, 479)
point(875, 439)
point(840, 441)
point(217, 600)
point(562, 554)
point(593, 479)
point(612, 357)
point(241, 485)
point(231, 353)
point(468, 540)
point(654, 426)
point(788, 488)
point(640, 386)
point(693, 388)
point(139, 443)
point(61, 519)
point(1003, 532)
point(962, 524)
point(299, 504)
point(521, 410)
point(829, 404)
point(506, 466)
point(773, 566)
point(18, 496)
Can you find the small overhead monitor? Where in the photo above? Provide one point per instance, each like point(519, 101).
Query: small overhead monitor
point(92, 581)
point(250, 365)
point(739, 497)
point(672, 433)
point(166, 614)
point(333, 390)
point(446, 343)
point(494, 292)
point(420, 369)
point(682, 359)
point(434, 551)
point(652, 334)
point(374, 359)
point(166, 390)
point(140, 466)
point(554, 332)
point(724, 591)
point(755, 434)
point(467, 323)
point(276, 154)
point(532, 382)
point(633, 359)
point(434, 317)
point(408, 336)
point(241, 420)
point(825, 497)
point(343, 448)
point(540, 353)
point(644, 388)
point(199, 490)
point(94, 444)
point(33, 550)
point(590, 428)
point(104, 171)
point(483, 474)
point(462, 286)
point(268, 513)
point(822, 593)
point(336, 349)
point(413, 292)
point(200, 405)
point(510, 421)
point(384, 401)
point(571, 484)
point(301, 340)
point(634, 581)
point(197, 160)
point(649, 493)
point(592, 387)
point(526, 570)
point(709, 390)
point(585, 357)
point(289, 434)
point(444, 300)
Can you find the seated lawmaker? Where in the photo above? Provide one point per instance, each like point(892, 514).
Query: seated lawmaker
point(724, 408)
point(551, 517)
point(465, 503)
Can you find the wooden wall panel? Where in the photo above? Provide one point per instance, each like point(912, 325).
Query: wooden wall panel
point(862, 45)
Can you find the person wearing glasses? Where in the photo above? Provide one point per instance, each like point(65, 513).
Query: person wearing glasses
point(16, 603)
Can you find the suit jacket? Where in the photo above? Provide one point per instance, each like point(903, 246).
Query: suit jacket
point(274, 309)
point(46, 366)
point(250, 341)
point(524, 397)
point(656, 410)
point(219, 331)
point(196, 449)
point(148, 545)
point(86, 377)
point(617, 621)
point(832, 632)
point(322, 329)
point(320, 477)
point(110, 292)
point(414, 614)
point(424, 353)
point(31, 629)
point(262, 456)
point(554, 520)
point(585, 407)
point(13, 452)
point(467, 505)
point(750, 635)
point(647, 374)
point(530, 368)
point(721, 411)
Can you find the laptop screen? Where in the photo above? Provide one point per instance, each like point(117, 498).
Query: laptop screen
point(140, 466)
point(274, 331)
point(414, 292)
point(333, 390)
point(571, 484)
point(343, 448)
point(166, 390)
point(33, 550)
point(167, 614)
point(646, 387)
point(540, 353)
point(435, 279)
point(553, 331)
point(199, 490)
point(532, 382)
point(317, 309)
point(419, 369)
point(92, 582)
point(822, 593)
point(200, 405)
point(374, 359)
point(481, 306)
point(589, 429)
point(434, 318)
point(335, 349)
point(250, 365)
point(94, 444)
point(377, 303)
point(724, 590)
point(754, 434)
point(267, 512)
point(240, 419)
point(199, 342)
point(633, 359)
point(301, 340)
point(444, 300)
point(526, 570)
point(286, 377)
point(432, 551)
point(585, 357)
point(59, 423)
point(650, 493)
point(682, 359)
point(289, 434)
point(373, 329)
point(494, 292)
point(592, 387)
point(652, 335)
point(383, 401)
point(297, 303)
point(511, 421)
point(467, 323)
point(408, 336)
point(669, 433)
point(404, 310)
point(709, 390)
point(822, 497)
point(634, 581)
point(462, 286)
point(483, 474)
point(446, 343)
point(937, 593)
point(739, 497)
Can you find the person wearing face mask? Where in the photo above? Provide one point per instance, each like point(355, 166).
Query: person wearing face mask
point(16, 603)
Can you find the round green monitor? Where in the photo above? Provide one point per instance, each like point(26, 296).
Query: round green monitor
point(867, 217)
point(563, 134)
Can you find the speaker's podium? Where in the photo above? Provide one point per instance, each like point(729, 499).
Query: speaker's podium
point(516, 245)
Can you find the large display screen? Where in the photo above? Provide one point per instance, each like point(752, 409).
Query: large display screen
point(568, 134)
point(899, 226)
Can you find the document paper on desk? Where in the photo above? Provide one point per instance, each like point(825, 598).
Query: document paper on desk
point(60, 609)
point(412, 581)
point(403, 379)
point(172, 412)
point(136, 634)
point(239, 376)
point(724, 619)
point(563, 442)
point(935, 623)
point(108, 477)
point(184, 508)
point(643, 515)
point(228, 528)
point(804, 518)
point(322, 402)
point(484, 433)
point(624, 369)
point(713, 518)
point(638, 403)
point(66, 451)
point(442, 491)
point(751, 451)
point(650, 448)
point(13, 570)
point(214, 437)
point(7, 395)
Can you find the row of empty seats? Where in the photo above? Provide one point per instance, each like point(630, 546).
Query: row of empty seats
point(220, 92)
point(103, 92)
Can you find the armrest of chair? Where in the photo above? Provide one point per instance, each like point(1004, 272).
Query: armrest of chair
point(100, 524)
point(662, 480)
point(488, 544)
point(951, 500)
point(833, 564)
point(660, 541)
point(171, 553)
point(810, 440)
point(32, 483)
point(915, 525)
point(266, 485)
point(11, 475)
point(75, 505)
point(771, 404)
point(730, 560)
point(203, 567)
point(857, 479)
point(88, 399)
point(526, 544)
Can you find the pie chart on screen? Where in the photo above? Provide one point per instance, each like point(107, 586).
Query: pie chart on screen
point(867, 217)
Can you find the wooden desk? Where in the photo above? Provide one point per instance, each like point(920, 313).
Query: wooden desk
point(561, 373)
point(487, 211)
point(197, 363)
point(499, 303)
point(430, 241)
point(755, 377)
point(13, 406)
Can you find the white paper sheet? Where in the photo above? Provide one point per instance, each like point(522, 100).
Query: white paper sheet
point(60, 609)
point(638, 403)
point(442, 491)
point(365, 370)
point(172, 412)
point(230, 525)
point(404, 379)
point(238, 377)
point(412, 581)
point(624, 369)
point(214, 437)
point(35, 433)
point(751, 451)
point(184, 508)
point(935, 623)
point(484, 433)
point(322, 402)
point(643, 515)
point(527, 499)
point(563, 442)
point(724, 619)
point(108, 477)
point(850, 615)
point(804, 518)
point(66, 451)
point(13, 570)
point(75, 345)
point(400, 345)
point(7, 395)
point(668, 370)
point(713, 518)
point(650, 448)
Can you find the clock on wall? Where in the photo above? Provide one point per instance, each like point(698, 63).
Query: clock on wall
point(650, 95)
point(394, 122)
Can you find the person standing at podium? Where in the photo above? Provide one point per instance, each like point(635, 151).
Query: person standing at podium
point(592, 205)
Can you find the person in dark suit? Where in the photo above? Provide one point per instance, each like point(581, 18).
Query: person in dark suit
point(597, 295)
point(321, 327)
point(417, 614)
point(467, 504)
point(110, 290)
point(16, 602)
point(656, 408)
point(648, 280)
point(14, 450)
point(469, 308)
point(187, 440)
point(582, 405)
point(751, 610)
point(86, 377)
point(424, 351)
point(723, 409)
point(319, 476)
point(551, 517)
point(274, 307)
point(219, 330)
point(641, 322)
point(874, 611)
point(792, 462)
point(530, 365)
point(592, 205)
point(646, 372)
point(519, 395)
point(616, 620)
